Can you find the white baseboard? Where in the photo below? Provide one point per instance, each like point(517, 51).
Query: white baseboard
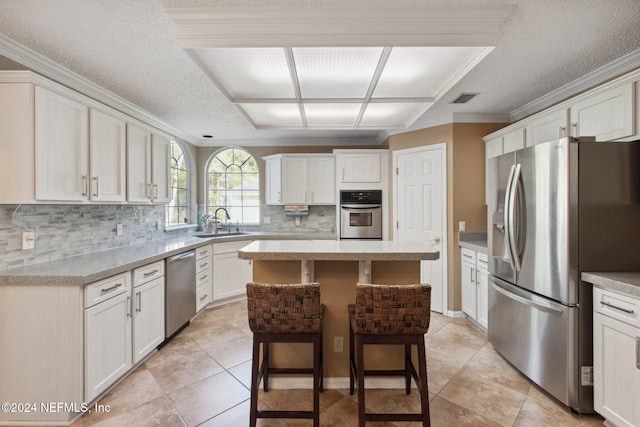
point(455, 313)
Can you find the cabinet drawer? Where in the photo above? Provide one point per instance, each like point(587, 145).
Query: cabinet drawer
point(106, 288)
point(148, 272)
point(617, 306)
point(204, 251)
point(203, 264)
point(203, 277)
point(229, 247)
point(468, 256)
point(482, 261)
point(203, 296)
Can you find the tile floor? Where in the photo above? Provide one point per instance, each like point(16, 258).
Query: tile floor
point(202, 378)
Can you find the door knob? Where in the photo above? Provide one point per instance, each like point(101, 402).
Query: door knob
point(435, 239)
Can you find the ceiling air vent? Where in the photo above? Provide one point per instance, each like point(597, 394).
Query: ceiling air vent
point(463, 98)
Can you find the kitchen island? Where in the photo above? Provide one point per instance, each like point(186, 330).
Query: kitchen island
point(337, 266)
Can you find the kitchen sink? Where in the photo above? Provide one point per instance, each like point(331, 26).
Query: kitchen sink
point(210, 235)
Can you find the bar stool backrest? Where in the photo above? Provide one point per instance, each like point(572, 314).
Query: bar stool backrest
point(277, 308)
point(392, 309)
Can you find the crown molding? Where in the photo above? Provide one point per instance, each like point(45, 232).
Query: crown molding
point(613, 69)
point(289, 142)
point(317, 27)
point(62, 75)
point(445, 119)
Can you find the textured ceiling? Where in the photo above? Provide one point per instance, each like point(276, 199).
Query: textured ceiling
point(129, 48)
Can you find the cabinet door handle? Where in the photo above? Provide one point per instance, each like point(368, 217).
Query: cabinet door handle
point(149, 194)
point(155, 191)
point(279, 197)
point(638, 352)
point(575, 129)
point(204, 277)
point(105, 290)
point(151, 273)
point(203, 297)
point(97, 193)
point(139, 295)
point(128, 306)
point(85, 186)
point(203, 265)
point(561, 132)
point(608, 304)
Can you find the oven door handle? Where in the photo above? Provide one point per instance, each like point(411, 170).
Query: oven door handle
point(360, 207)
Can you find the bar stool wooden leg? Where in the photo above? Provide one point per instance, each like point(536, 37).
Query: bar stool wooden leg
point(265, 363)
point(255, 382)
point(407, 368)
point(424, 386)
point(360, 377)
point(317, 346)
point(352, 360)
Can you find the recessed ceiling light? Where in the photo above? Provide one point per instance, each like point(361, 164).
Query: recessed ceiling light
point(207, 136)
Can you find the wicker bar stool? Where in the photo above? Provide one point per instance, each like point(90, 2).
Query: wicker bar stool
point(284, 314)
point(390, 314)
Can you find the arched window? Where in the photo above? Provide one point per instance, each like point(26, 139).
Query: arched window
point(178, 209)
point(232, 182)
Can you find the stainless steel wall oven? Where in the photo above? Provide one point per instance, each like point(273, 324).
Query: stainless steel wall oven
point(361, 215)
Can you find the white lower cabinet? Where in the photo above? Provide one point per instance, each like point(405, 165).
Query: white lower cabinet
point(148, 309)
point(204, 276)
point(230, 273)
point(123, 324)
point(107, 333)
point(474, 286)
point(616, 357)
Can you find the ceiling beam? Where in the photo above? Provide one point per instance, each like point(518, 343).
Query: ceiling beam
point(347, 27)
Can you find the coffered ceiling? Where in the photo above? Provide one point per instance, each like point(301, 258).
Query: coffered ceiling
point(519, 56)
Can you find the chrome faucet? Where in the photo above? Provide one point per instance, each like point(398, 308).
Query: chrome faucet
point(215, 215)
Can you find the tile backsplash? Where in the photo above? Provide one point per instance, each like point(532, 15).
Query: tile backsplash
point(67, 230)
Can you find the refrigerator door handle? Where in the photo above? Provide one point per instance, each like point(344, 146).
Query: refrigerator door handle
point(540, 306)
point(507, 203)
point(511, 219)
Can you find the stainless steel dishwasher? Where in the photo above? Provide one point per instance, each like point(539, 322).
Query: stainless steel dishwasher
point(180, 292)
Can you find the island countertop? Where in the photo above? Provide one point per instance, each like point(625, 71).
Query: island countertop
point(337, 250)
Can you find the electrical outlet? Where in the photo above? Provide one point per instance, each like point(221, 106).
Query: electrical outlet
point(461, 226)
point(338, 344)
point(266, 220)
point(28, 240)
point(118, 229)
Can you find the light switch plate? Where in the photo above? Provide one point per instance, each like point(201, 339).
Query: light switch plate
point(118, 229)
point(462, 225)
point(338, 344)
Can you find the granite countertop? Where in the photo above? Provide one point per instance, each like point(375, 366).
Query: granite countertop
point(337, 250)
point(84, 269)
point(475, 241)
point(627, 283)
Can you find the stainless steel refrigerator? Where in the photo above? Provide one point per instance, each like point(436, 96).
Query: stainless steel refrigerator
point(557, 209)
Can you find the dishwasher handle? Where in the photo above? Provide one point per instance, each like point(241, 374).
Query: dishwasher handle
point(182, 257)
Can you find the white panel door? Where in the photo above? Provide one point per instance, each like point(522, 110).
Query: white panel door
point(107, 152)
point(421, 210)
point(294, 180)
point(322, 184)
point(138, 164)
point(62, 148)
point(160, 165)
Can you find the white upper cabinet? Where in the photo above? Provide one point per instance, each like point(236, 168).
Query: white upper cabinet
point(148, 164)
point(358, 168)
point(61, 148)
point(64, 147)
point(606, 114)
point(138, 164)
point(108, 151)
point(514, 140)
point(273, 181)
point(300, 179)
point(493, 148)
point(160, 165)
point(321, 180)
point(548, 127)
